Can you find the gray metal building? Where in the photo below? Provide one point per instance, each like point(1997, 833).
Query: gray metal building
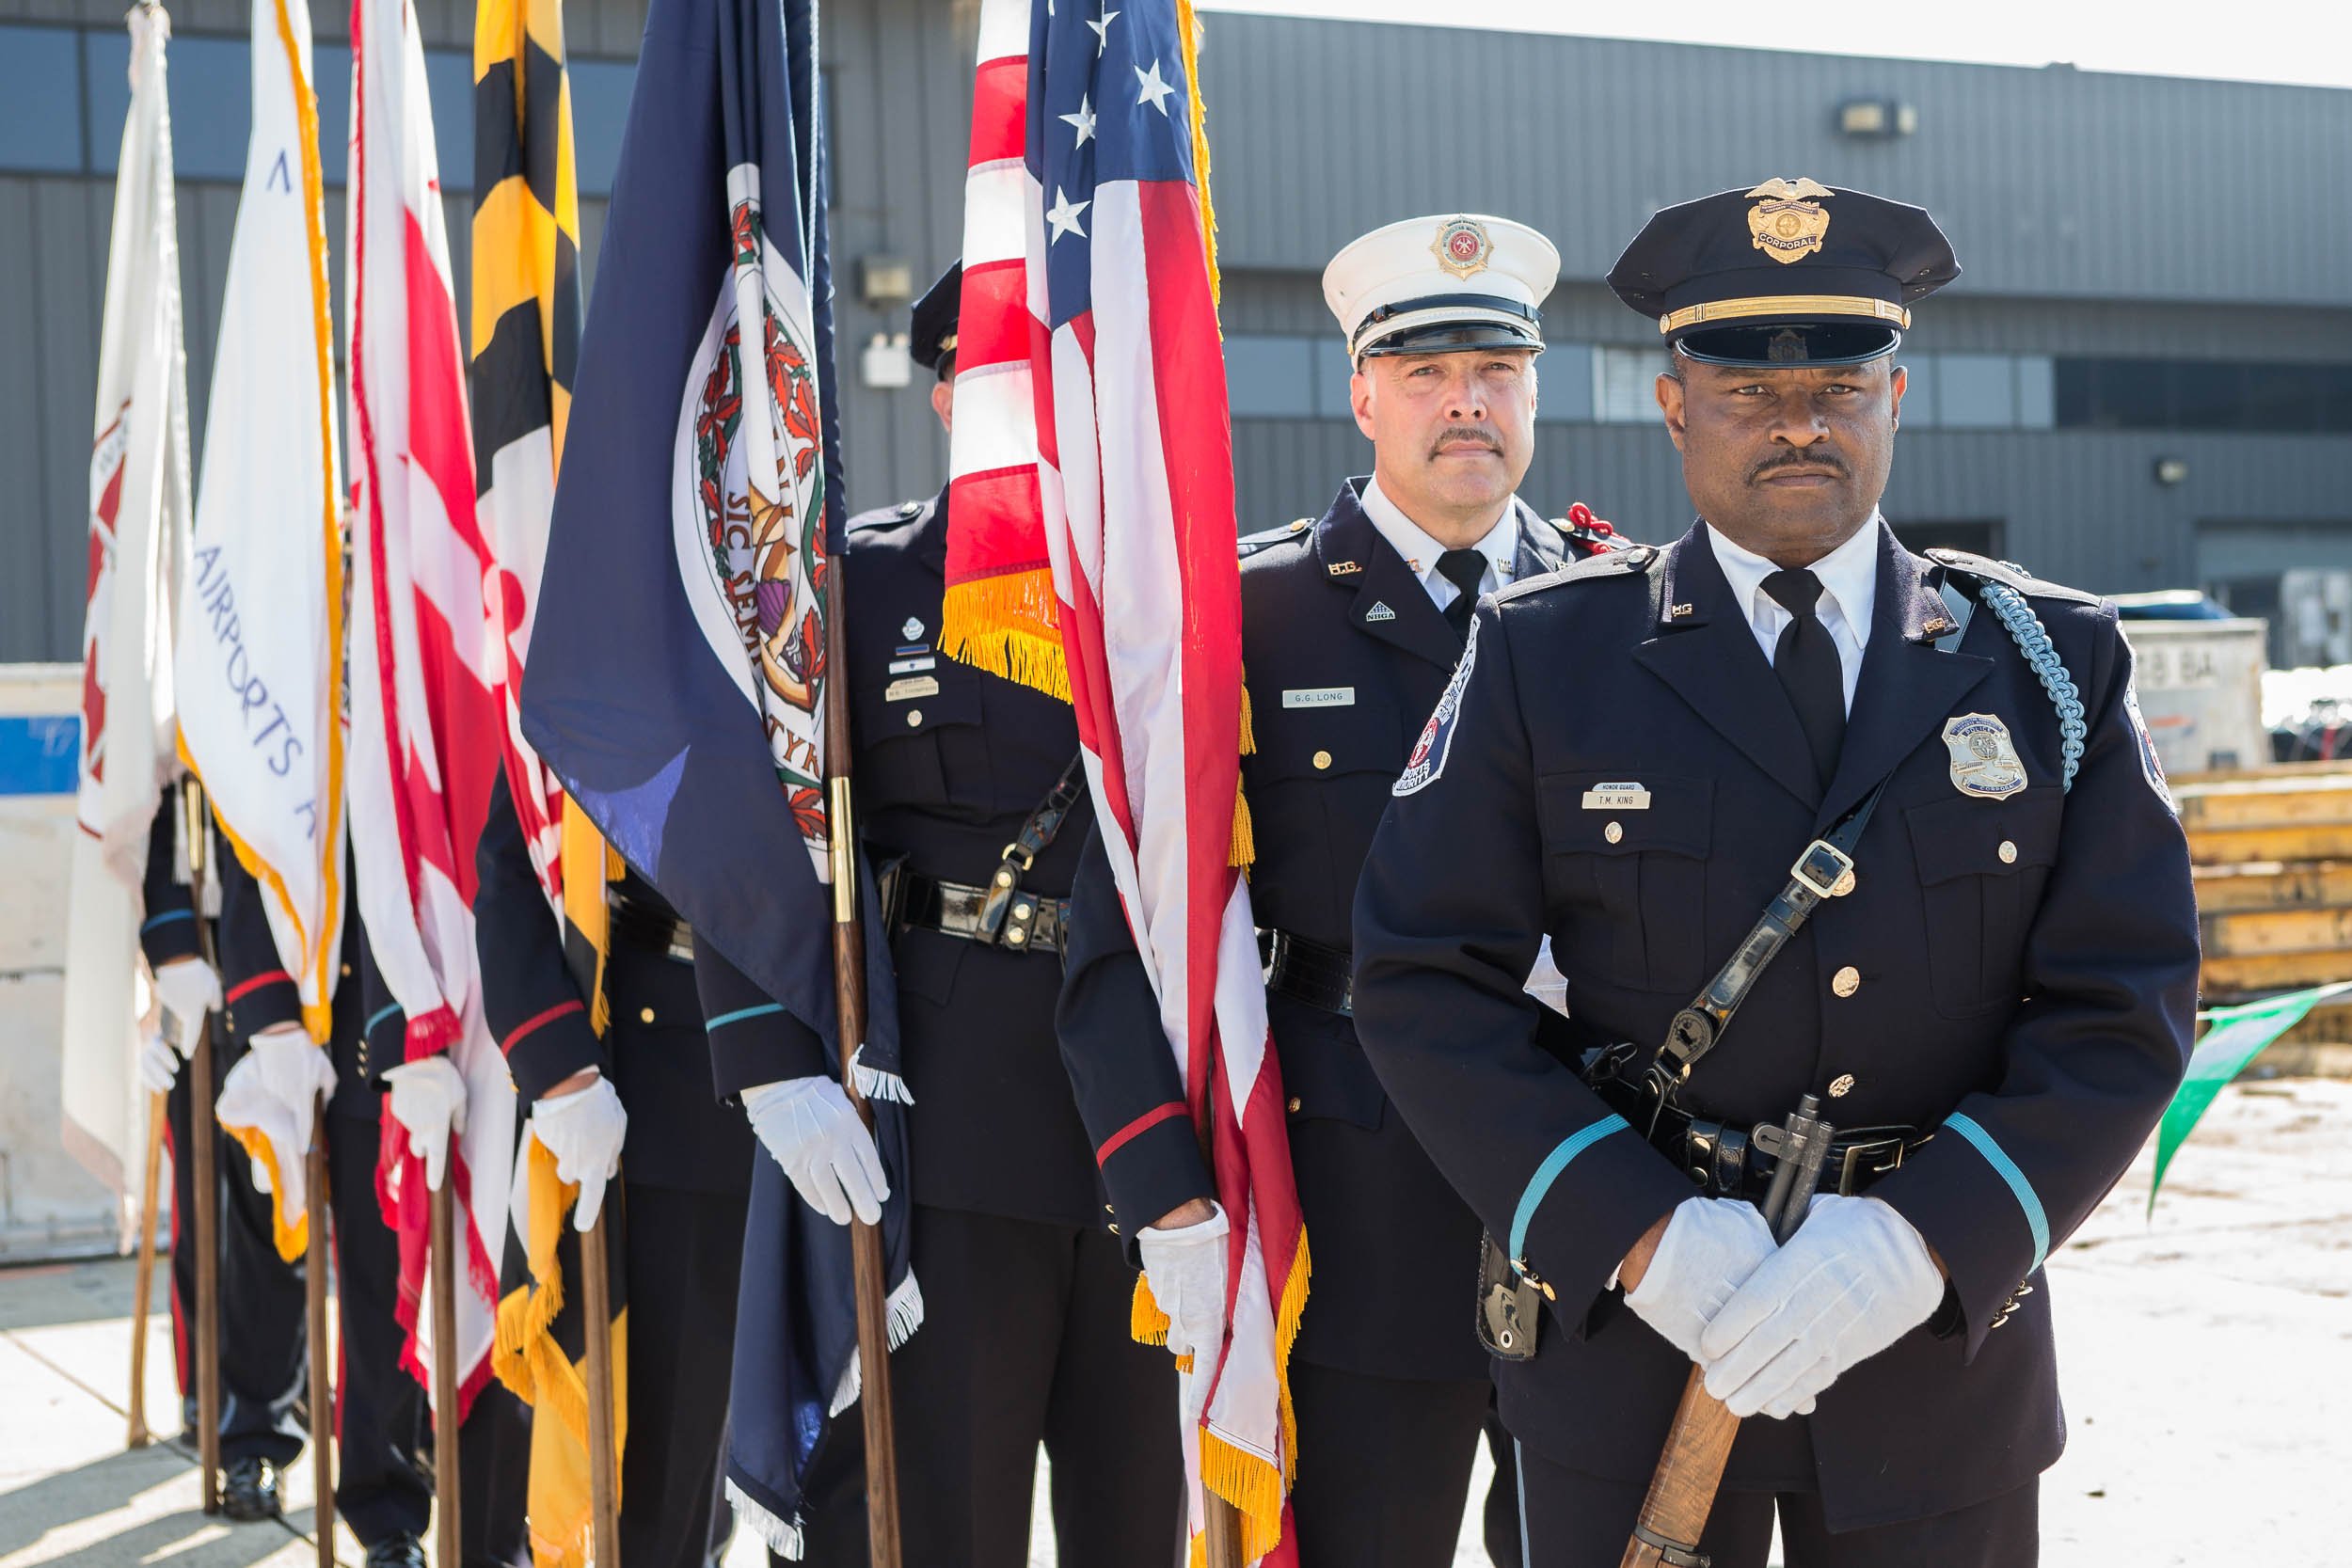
point(2143, 378)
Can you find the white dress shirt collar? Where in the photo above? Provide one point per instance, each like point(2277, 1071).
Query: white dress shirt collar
point(1501, 546)
point(1849, 591)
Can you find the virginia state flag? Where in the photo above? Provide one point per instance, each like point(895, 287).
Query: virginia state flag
point(678, 668)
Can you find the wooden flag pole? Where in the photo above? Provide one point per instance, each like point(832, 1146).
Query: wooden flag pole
point(143, 1289)
point(203, 1135)
point(447, 1553)
point(314, 1308)
point(848, 982)
point(595, 1285)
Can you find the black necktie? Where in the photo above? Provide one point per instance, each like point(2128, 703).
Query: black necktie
point(1466, 570)
point(1805, 659)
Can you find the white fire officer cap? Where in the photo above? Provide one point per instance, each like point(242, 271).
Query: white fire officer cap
point(1457, 280)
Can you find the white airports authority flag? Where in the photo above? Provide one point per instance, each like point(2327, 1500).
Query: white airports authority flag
point(427, 726)
point(138, 540)
point(260, 667)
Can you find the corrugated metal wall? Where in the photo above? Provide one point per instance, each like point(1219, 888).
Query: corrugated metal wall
point(2094, 215)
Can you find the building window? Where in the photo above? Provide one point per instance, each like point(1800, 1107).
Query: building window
point(2202, 395)
point(41, 131)
point(1270, 378)
point(1975, 391)
point(1625, 385)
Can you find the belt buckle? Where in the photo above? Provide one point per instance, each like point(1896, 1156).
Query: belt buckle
point(1807, 872)
point(1849, 1168)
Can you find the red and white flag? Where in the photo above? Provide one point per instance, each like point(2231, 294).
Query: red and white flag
point(138, 541)
point(1092, 451)
point(426, 721)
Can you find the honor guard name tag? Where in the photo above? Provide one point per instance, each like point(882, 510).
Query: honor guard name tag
point(1617, 797)
point(1984, 759)
point(910, 666)
point(917, 686)
point(1320, 696)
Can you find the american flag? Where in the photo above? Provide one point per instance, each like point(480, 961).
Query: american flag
point(1092, 450)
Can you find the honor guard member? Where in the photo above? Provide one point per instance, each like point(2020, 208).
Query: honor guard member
point(261, 1295)
point(1350, 627)
point(973, 806)
point(1933, 769)
point(382, 1423)
point(637, 1101)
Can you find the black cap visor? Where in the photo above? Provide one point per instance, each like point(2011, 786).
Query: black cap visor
point(1458, 336)
point(1777, 345)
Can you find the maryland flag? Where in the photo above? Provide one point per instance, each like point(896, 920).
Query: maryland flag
point(526, 341)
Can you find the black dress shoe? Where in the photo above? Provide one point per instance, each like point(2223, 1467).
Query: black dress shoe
point(400, 1551)
point(250, 1491)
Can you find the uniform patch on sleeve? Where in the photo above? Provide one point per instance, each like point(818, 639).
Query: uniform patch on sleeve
point(1428, 763)
point(2149, 763)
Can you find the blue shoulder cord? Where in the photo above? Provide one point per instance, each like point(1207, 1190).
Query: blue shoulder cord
point(2032, 638)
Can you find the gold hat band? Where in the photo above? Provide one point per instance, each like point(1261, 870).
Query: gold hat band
point(1785, 305)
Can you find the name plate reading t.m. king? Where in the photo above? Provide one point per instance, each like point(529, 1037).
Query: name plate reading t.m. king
point(1617, 797)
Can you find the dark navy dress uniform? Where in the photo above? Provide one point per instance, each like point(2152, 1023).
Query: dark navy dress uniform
point(2010, 980)
point(261, 1295)
point(383, 1421)
point(1026, 1293)
point(686, 1165)
point(1345, 654)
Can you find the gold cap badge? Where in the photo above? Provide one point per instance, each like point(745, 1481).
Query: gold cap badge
point(1787, 222)
point(1462, 246)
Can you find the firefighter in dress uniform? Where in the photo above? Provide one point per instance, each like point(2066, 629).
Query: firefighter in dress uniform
point(1989, 986)
point(383, 1423)
point(972, 809)
point(636, 1104)
point(261, 1295)
point(1350, 627)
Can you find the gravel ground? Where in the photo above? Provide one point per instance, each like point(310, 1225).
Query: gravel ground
point(2206, 1357)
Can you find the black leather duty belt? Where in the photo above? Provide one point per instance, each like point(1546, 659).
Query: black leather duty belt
point(652, 930)
point(1028, 924)
point(1309, 972)
point(1737, 1162)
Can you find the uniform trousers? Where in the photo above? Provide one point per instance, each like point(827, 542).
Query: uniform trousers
point(1384, 1465)
point(685, 1258)
point(1025, 1340)
point(383, 1423)
point(1578, 1521)
point(261, 1295)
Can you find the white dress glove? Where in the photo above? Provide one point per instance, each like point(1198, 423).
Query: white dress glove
point(1853, 1280)
point(1710, 1247)
point(1187, 1268)
point(159, 1062)
point(247, 1103)
point(811, 1129)
point(429, 1100)
point(584, 1131)
point(295, 1072)
point(188, 989)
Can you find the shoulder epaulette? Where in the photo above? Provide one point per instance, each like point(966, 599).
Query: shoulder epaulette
point(1631, 561)
point(2008, 574)
point(886, 517)
point(1250, 543)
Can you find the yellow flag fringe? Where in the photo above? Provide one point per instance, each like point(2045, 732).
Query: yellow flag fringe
point(292, 1240)
point(1008, 625)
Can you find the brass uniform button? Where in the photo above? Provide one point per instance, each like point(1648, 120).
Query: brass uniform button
point(1846, 981)
point(2008, 853)
point(645, 1015)
point(1614, 833)
point(347, 972)
point(914, 719)
point(1114, 1229)
point(1841, 1086)
point(1294, 1104)
point(1322, 760)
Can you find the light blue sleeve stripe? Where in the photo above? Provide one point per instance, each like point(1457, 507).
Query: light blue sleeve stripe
point(1546, 1174)
point(166, 918)
point(741, 1013)
point(2005, 1167)
point(381, 1014)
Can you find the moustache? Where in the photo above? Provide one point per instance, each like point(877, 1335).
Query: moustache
point(1479, 434)
point(1824, 460)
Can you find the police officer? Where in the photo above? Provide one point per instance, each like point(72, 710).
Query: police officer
point(383, 1425)
point(261, 1295)
point(637, 1101)
point(972, 800)
point(1350, 628)
point(1989, 986)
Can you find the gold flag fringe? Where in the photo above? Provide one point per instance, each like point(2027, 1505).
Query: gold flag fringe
point(292, 1240)
point(1008, 625)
